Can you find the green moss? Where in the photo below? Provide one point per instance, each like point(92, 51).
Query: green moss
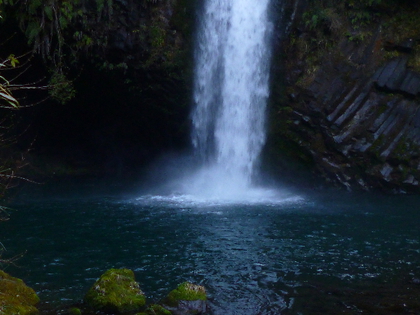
point(157, 35)
point(156, 309)
point(391, 54)
point(75, 311)
point(377, 145)
point(402, 24)
point(414, 60)
point(61, 89)
point(116, 291)
point(405, 150)
point(16, 297)
point(186, 292)
point(183, 17)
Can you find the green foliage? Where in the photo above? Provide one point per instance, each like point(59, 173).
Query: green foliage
point(65, 31)
point(7, 165)
point(61, 89)
point(402, 24)
point(157, 35)
point(358, 36)
point(312, 20)
point(13, 60)
point(414, 60)
point(6, 98)
point(75, 311)
point(150, 2)
point(363, 3)
point(50, 24)
point(360, 18)
point(363, 12)
point(156, 309)
point(328, 22)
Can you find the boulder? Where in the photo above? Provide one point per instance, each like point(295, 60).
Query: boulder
point(116, 291)
point(187, 299)
point(16, 297)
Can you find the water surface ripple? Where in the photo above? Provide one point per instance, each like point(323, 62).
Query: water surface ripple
point(279, 258)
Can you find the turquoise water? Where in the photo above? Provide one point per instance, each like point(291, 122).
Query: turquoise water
point(311, 253)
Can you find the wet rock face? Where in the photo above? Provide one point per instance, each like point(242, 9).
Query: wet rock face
point(363, 138)
point(136, 35)
point(358, 116)
point(395, 77)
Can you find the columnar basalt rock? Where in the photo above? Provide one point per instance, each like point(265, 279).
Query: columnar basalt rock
point(357, 113)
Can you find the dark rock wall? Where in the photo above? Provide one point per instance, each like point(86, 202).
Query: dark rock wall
point(132, 94)
point(352, 107)
point(344, 103)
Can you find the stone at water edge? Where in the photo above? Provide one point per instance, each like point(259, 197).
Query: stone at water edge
point(16, 297)
point(155, 309)
point(187, 299)
point(116, 291)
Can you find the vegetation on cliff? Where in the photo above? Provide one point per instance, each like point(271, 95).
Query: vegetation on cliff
point(115, 35)
point(121, 70)
point(350, 95)
point(144, 46)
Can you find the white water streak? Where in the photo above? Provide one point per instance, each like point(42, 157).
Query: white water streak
point(231, 89)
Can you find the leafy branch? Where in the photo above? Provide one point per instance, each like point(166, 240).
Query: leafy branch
point(8, 164)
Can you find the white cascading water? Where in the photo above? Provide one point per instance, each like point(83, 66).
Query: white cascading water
point(230, 94)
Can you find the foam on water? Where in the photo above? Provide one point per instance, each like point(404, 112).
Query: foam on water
point(251, 196)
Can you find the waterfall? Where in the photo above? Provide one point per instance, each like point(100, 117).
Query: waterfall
point(231, 89)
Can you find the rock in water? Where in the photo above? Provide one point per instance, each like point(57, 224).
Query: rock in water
point(187, 299)
point(16, 297)
point(156, 309)
point(116, 291)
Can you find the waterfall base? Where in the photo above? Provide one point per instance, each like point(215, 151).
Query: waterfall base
point(213, 185)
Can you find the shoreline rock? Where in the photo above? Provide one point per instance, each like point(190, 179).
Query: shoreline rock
point(16, 297)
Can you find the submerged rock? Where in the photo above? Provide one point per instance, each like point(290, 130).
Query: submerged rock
point(16, 297)
point(187, 298)
point(116, 291)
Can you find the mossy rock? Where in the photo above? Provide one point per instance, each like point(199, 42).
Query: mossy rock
point(187, 298)
point(116, 291)
point(74, 311)
point(156, 309)
point(16, 297)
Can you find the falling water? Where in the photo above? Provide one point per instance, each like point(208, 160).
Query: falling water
point(231, 90)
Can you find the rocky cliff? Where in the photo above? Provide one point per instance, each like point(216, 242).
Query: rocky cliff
point(352, 82)
point(345, 91)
